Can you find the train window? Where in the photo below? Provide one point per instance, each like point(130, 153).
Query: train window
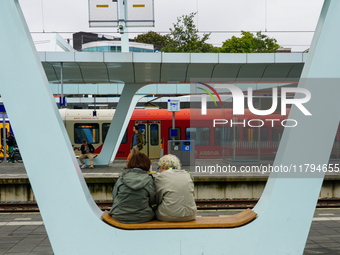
point(142, 130)
point(264, 134)
point(201, 135)
point(277, 134)
point(87, 131)
point(250, 135)
point(154, 134)
point(105, 129)
point(225, 135)
point(178, 137)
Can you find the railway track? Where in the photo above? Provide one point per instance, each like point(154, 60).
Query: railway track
point(202, 204)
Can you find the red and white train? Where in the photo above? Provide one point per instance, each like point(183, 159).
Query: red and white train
point(238, 139)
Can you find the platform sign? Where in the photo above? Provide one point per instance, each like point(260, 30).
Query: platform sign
point(173, 105)
point(103, 13)
point(138, 13)
point(173, 132)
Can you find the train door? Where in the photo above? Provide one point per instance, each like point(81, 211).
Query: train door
point(1, 130)
point(154, 139)
point(151, 131)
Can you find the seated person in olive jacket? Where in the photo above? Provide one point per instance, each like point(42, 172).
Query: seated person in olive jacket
point(134, 192)
point(175, 195)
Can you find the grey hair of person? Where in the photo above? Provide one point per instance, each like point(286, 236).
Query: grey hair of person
point(169, 161)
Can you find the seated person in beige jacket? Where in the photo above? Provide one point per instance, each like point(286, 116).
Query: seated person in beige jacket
point(174, 191)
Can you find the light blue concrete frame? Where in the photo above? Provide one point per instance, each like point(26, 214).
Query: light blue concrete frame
point(72, 219)
point(119, 123)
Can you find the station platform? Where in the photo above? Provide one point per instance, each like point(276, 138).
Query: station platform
point(210, 180)
point(24, 233)
point(203, 168)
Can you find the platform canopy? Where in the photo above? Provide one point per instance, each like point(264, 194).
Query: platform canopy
point(147, 68)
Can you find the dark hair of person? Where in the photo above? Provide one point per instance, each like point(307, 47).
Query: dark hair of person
point(136, 127)
point(84, 141)
point(139, 160)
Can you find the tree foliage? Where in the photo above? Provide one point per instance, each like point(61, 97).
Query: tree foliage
point(183, 37)
point(249, 43)
point(152, 37)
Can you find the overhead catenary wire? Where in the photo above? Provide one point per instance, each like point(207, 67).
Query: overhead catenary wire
point(166, 32)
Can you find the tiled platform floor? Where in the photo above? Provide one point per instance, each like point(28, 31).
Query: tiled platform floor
point(24, 233)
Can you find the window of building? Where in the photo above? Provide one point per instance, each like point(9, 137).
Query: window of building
point(136, 49)
point(114, 49)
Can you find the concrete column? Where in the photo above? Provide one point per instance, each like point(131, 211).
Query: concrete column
point(120, 121)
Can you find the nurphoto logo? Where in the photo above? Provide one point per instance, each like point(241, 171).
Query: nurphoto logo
point(238, 105)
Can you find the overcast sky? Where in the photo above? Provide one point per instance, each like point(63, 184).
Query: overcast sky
point(291, 22)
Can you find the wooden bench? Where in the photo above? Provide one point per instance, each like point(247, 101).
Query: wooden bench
point(200, 222)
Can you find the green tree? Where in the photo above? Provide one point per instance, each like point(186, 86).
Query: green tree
point(152, 37)
point(183, 37)
point(249, 43)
